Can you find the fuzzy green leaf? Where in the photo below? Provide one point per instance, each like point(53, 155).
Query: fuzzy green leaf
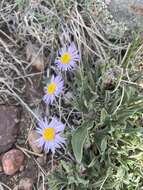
point(78, 140)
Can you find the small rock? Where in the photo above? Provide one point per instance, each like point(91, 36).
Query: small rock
point(9, 117)
point(12, 161)
point(26, 184)
point(33, 136)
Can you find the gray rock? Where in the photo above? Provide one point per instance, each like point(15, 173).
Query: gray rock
point(129, 12)
point(9, 117)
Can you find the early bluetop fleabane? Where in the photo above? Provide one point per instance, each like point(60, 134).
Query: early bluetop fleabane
point(68, 56)
point(53, 89)
point(50, 135)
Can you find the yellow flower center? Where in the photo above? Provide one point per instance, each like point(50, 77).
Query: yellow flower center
point(51, 88)
point(66, 58)
point(49, 134)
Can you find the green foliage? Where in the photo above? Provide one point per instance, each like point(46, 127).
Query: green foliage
point(108, 144)
point(104, 120)
point(78, 140)
point(105, 148)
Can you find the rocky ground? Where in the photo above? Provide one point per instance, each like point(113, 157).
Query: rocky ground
point(20, 160)
point(22, 163)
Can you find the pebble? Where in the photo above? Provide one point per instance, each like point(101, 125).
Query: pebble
point(12, 161)
point(33, 136)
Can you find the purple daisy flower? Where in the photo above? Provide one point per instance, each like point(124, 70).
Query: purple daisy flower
point(50, 134)
point(68, 56)
point(53, 89)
